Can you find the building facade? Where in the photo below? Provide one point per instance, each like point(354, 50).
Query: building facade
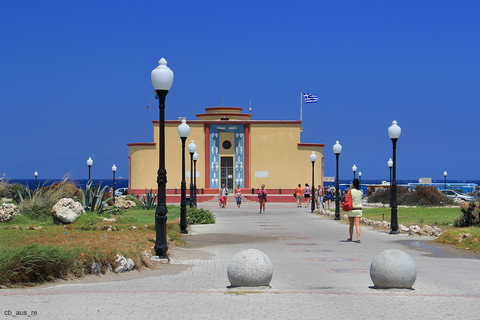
point(233, 150)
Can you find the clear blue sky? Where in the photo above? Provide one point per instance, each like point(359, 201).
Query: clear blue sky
point(75, 79)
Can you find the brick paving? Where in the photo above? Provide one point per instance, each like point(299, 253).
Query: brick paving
point(317, 274)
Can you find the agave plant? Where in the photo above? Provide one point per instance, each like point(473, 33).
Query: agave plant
point(92, 197)
point(148, 202)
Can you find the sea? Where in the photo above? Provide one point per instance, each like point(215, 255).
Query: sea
point(464, 185)
point(80, 183)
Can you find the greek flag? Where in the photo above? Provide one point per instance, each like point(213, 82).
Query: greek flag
point(310, 98)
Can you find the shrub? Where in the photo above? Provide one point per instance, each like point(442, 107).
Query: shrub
point(199, 216)
point(34, 263)
point(92, 198)
point(148, 202)
point(421, 196)
point(470, 215)
point(38, 204)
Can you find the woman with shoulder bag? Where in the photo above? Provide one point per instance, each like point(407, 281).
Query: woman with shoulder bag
point(356, 213)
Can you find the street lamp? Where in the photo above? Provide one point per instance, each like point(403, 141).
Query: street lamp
point(390, 165)
point(337, 149)
point(36, 176)
point(394, 133)
point(354, 169)
point(313, 158)
point(360, 177)
point(162, 80)
point(195, 158)
point(445, 175)
point(114, 169)
point(191, 148)
point(89, 164)
point(183, 132)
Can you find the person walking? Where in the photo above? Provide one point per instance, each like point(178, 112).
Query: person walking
point(329, 196)
point(355, 214)
point(262, 197)
point(319, 196)
point(306, 195)
point(238, 195)
point(298, 194)
point(224, 196)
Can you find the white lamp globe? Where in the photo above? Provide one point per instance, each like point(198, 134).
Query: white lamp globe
point(192, 147)
point(183, 129)
point(337, 148)
point(162, 76)
point(394, 130)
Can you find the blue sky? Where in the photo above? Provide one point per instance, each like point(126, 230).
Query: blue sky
point(75, 79)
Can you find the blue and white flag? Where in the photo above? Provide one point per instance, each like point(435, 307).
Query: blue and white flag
point(310, 98)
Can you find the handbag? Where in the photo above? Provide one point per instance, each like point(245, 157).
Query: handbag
point(294, 195)
point(348, 205)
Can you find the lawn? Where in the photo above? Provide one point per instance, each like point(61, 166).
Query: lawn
point(433, 216)
point(29, 256)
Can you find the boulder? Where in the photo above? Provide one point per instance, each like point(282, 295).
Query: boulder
point(66, 211)
point(123, 264)
point(393, 269)
point(250, 268)
point(122, 203)
point(7, 211)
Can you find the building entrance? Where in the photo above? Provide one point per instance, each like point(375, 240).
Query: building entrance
point(226, 172)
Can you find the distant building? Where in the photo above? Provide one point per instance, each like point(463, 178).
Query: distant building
point(233, 149)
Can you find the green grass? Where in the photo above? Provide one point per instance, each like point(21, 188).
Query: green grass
point(29, 257)
point(462, 238)
point(433, 216)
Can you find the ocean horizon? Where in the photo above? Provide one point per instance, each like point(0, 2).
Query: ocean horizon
point(123, 183)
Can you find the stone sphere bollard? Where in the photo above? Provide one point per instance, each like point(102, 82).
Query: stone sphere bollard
point(393, 269)
point(250, 268)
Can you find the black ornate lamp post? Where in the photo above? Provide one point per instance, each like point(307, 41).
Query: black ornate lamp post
point(114, 169)
point(313, 158)
point(183, 132)
point(445, 175)
point(354, 169)
point(360, 177)
point(162, 80)
point(394, 133)
point(191, 149)
point(390, 165)
point(337, 149)
point(36, 176)
point(89, 164)
point(195, 158)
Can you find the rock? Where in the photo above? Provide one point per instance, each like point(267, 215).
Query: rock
point(7, 211)
point(413, 230)
point(123, 264)
point(122, 203)
point(402, 228)
point(250, 268)
point(107, 268)
point(426, 231)
point(95, 268)
point(66, 210)
point(393, 269)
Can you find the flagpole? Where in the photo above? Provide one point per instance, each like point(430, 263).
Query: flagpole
point(301, 102)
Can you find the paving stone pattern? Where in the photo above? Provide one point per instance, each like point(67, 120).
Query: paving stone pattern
point(317, 274)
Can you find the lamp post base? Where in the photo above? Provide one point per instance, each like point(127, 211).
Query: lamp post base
point(161, 246)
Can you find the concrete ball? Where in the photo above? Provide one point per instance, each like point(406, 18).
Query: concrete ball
point(393, 268)
point(250, 268)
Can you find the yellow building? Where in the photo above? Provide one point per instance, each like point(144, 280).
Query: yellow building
point(233, 149)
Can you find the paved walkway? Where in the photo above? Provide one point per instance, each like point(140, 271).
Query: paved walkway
point(317, 275)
